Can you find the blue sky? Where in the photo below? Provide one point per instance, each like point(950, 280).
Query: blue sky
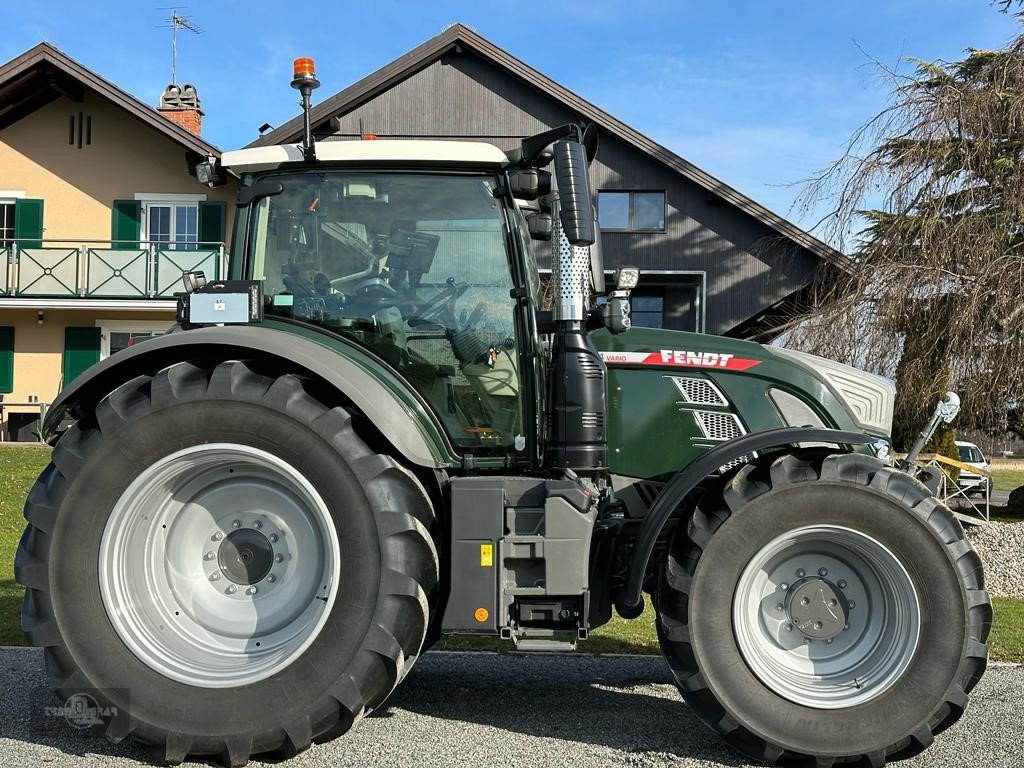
point(760, 94)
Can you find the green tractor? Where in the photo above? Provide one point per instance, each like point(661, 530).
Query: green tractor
point(373, 434)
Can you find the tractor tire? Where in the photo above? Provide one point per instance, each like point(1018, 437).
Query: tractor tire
point(823, 609)
point(219, 561)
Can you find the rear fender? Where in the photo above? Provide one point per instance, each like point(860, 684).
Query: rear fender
point(392, 408)
point(687, 479)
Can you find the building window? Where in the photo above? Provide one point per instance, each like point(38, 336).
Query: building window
point(647, 307)
point(6, 223)
point(176, 224)
point(116, 335)
point(631, 211)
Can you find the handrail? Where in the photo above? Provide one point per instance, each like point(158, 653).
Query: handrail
point(85, 241)
point(88, 268)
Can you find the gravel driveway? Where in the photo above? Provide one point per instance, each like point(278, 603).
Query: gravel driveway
point(480, 710)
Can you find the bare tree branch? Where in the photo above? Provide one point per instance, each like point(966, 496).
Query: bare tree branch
point(930, 195)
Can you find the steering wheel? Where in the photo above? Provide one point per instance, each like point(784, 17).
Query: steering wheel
point(443, 299)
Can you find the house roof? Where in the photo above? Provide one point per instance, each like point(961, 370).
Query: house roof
point(43, 73)
point(459, 36)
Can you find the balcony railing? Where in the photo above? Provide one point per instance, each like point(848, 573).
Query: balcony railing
point(107, 269)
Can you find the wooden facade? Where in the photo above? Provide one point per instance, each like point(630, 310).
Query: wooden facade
point(721, 260)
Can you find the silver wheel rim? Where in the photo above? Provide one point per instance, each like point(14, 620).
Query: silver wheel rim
point(219, 565)
point(826, 617)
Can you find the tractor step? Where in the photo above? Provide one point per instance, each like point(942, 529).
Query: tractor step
point(542, 645)
point(541, 640)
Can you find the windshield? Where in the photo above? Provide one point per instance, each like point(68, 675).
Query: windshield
point(414, 267)
point(972, 454)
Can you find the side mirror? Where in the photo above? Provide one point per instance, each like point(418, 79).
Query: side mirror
point(576, 209)
point(541, 225)
point(530, 183)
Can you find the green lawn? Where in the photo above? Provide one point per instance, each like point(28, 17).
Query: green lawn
point(1006, 643)
point(1007, 479)
point(20, 465)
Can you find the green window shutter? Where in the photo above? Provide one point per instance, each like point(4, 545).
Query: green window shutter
point(212, 221)
point(126, 224)
point(6, 358)
point(28, 222)
point(81, 349)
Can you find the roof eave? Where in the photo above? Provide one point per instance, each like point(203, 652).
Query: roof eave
point(456, 35)
point(44, 52)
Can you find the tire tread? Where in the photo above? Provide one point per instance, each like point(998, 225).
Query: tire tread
point(399, 502)
point(755, 479)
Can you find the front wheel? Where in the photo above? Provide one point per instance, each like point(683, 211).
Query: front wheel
point(220, 562)
point(824, 609)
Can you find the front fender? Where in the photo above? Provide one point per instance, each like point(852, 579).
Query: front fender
point(687, 479)
point(392, 407)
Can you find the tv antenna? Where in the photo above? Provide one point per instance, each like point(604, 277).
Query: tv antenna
point(175, 22)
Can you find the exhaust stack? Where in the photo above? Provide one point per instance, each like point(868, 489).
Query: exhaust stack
point(578, 438)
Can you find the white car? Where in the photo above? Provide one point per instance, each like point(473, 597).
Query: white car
point(972, 482)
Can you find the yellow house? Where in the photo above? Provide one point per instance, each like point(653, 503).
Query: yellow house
point(100, 213)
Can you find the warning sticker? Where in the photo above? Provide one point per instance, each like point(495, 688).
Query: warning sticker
point(681, 358)
point(486, 555)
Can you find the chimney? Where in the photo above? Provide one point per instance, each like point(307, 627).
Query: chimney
point(180, 103)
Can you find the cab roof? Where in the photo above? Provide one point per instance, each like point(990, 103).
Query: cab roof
point(475, 154)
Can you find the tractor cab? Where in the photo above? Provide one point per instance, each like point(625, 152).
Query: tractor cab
point(414, 266)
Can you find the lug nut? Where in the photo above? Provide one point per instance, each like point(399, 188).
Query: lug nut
point(823, 571)
point(842, 583)
point(800, 573)
point(278, 558)
point(230, 590)
point(236, 523)
point(214, 577)
point(852, 605)
point(273, 538)
point(829, 641)
point(217, 536)
point(271, 578)
point(250, 590)
point(783, 586)
point(209, 556)
point(779, 608)
point(257, 524)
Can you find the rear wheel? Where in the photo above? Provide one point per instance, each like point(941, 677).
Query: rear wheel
point(825, 609)
point(220, 560)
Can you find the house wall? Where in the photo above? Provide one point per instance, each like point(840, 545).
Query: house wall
point(39, 347)
point(78, 186)
point(748, 266)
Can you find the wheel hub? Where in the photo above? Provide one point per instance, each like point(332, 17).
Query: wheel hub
point(817, 608)
point(245, 556)
point(826, 616)
point(219, 565)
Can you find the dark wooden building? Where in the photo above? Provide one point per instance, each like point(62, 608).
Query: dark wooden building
point(713, 260)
